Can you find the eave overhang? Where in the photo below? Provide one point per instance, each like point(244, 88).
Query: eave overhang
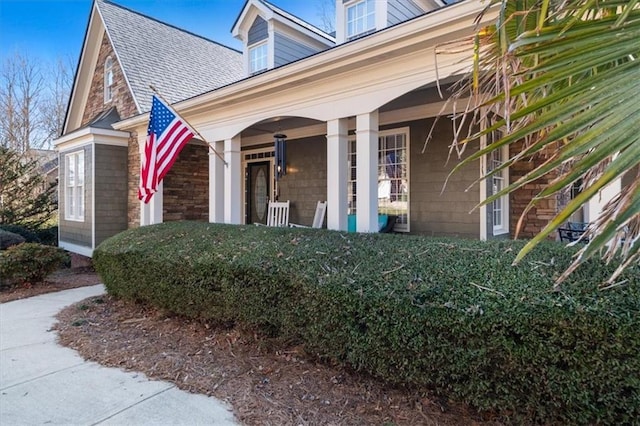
point(430, 30)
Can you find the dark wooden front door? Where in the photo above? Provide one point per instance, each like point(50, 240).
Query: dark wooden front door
point(257, 193)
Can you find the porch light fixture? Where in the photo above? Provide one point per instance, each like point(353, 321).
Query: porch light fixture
point(280, 148)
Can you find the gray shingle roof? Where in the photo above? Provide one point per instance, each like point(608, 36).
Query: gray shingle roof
point(178, 63)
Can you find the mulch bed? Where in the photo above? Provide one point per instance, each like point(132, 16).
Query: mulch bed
point(266, 382)
point(63, 279)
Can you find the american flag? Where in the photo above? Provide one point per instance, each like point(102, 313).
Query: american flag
point(166, 136)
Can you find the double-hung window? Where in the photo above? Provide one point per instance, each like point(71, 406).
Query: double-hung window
point(361, 18)
point(74, 186)
point(499, 181)
point(258, 58)
point(393, 176)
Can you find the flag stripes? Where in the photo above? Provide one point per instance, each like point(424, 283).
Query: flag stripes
point(166, 136)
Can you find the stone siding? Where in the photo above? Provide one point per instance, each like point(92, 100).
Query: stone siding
point(544, 210)
point(186, 186)
point(121, 98)
point(133, 180)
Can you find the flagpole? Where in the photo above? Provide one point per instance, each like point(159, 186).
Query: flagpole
point(194, 130)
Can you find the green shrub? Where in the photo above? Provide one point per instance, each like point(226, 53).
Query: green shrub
point(29, 263)
point(26, 233)
point(8, 239)
point(48, 236)
point(448, 315)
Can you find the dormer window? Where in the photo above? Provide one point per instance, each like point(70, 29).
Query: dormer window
point(108, 79)
point(361, 18)
point(258, 58)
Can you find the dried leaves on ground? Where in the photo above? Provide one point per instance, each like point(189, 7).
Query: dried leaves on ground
point(266, 382)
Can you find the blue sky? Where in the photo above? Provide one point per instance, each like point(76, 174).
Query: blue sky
point(49, 29)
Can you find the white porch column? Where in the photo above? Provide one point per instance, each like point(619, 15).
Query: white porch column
point(152, 213)
point(483, 188)
point(593, 208)
point(367, 172)
point(232, 181)
point(216, 184)
point(337, 171)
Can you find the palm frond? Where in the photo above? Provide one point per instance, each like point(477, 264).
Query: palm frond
point(562, 78)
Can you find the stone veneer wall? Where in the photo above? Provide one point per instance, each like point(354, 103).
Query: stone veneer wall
point(544, 210)
point(121, 98)
point(133, 179)
point(186, 186)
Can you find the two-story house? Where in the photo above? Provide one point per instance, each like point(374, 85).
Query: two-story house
point(356, 108)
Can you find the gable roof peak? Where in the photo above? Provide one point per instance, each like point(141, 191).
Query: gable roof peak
point(272, 11)
point(178, 63)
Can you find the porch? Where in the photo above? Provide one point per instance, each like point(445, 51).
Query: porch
point(364, 166)
point(356, 118)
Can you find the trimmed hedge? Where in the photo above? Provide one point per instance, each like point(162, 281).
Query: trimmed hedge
point(29, 263)
point(445, 314)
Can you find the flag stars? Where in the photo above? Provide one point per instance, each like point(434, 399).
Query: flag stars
point(166, 136)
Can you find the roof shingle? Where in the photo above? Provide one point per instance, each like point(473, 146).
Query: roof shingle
point(177, 63)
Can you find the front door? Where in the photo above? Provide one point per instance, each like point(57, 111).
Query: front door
point(257, 191)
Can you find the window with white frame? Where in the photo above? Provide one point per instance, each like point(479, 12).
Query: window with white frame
point(258, 58)
point(74, 186)
point(108, 79)
point(499, 181)
point(360, 18)
point(393, 176)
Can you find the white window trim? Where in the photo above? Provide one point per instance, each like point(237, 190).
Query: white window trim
point(348, 6)
point(78, 190)
point(262, 43)
point(382, 133)
point(503, 228)
point(108, 73)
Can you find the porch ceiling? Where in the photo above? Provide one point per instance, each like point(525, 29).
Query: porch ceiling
point(277, 124)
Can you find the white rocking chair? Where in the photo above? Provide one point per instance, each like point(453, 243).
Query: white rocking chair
point(278, 213)
point(318, 217)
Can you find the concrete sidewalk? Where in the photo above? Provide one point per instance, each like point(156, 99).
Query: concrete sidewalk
point(43, 382)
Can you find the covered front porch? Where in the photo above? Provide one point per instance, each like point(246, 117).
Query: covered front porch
point(363, 166)
point(356, 118)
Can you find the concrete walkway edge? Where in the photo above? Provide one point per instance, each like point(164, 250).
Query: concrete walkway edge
point(43, 382)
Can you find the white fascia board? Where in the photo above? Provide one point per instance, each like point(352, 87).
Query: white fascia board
point(304, 30)
point(428, 5)
point(92, 134)
point(324, 63)
point(300, 37)
point(84, 73)
point(251, 9)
